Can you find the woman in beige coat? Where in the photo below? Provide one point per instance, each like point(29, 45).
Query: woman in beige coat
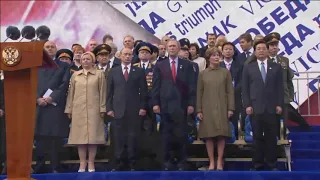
point(215, 105)
point(86, 106)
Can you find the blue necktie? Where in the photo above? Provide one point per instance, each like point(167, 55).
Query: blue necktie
point(263, 72)
point(144, 66)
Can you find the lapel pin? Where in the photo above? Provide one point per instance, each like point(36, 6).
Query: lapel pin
point(270, 68)
point(180, 66)
point(133, 69)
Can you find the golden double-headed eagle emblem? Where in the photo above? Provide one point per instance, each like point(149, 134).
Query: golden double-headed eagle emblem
point(10, 56)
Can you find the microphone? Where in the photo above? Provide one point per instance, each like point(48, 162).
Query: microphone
point(28, 32)
point(43, 33)
point(13, 33)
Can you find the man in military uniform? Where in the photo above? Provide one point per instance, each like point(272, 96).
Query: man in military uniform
point(144, 51)
point(102, 53)
point(287, 74)
point(65, 55)
point(184, 54)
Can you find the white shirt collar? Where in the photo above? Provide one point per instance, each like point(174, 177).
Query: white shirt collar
point(104, 67)
point(129, 67)
point(226, 62)
point(176, 60)
point(145, 64)
point(265, 64)
point(251, 50)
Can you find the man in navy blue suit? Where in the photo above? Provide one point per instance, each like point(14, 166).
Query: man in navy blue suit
point(235, 68)
point(173, 96)
point(263, 97)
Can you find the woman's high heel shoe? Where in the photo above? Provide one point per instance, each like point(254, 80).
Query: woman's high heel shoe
point(90, 165)
point(82, 164)
point(91, 170)
point(82, 170)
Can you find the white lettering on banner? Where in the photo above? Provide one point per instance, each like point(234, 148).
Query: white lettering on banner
point(298, 23)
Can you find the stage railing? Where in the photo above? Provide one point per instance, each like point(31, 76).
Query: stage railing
point(306, 85)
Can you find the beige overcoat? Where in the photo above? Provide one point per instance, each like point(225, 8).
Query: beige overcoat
point(86, 100)
point(215, 96)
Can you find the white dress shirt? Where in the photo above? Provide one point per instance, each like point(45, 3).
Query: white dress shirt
point(275, 59)
point(265, 65)
point(104, 67)
point(176, 61)
point(129, 67)
point(228, 63)
point(145, 64)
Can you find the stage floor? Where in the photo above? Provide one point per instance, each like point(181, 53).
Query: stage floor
point(183, 175)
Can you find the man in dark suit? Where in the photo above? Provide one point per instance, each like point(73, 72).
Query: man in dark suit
point(52, 125)
point(211, 41)
point(235, 68)
point(173, 95)
point(126, 101)
point(162, 53)
point(246, 43)
point(262, 89)
point(287, 74)
point(114, 61)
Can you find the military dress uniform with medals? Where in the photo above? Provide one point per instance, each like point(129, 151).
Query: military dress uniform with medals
point(287, 75)
point(148, 147)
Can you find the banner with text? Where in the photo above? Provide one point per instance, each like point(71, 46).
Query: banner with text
point(298, 23)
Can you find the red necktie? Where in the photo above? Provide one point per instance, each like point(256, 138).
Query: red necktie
point(126, 73)
point(173, 69)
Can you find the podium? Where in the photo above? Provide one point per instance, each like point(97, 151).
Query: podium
point(20, 62)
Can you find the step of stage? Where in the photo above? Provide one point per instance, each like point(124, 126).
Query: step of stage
point(305, 144)
point(306, 165)
point(311, 136)
point(181, 175)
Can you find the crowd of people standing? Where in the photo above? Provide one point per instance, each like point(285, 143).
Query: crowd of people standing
point(175, 80)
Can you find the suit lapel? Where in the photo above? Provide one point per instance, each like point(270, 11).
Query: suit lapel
point(132, 70)
point(180, 67)
point(120, 73)
point(257, 69)
point(269, 70)
point(168, 65)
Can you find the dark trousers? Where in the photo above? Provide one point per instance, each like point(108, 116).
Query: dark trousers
point(174, 134)
point(126, 132)
point(47, 145)
point(264, 128)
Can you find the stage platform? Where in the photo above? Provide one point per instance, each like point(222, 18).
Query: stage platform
point(177, 175)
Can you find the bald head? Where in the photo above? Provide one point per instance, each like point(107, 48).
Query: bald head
point(51, 48)
point(92, 44)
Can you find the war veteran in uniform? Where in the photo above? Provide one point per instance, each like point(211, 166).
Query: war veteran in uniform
point(102, 52)
point(272, 40)
point(144, 51)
